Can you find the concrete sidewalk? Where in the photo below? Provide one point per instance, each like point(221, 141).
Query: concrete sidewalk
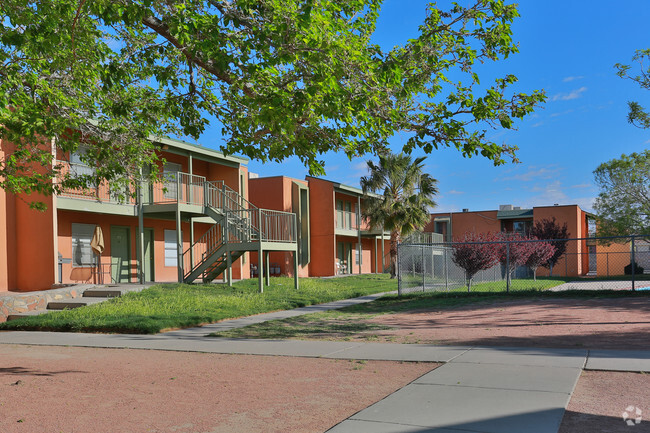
point(479, 389)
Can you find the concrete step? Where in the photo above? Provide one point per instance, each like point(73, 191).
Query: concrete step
point(32, 313)
point(74, 303)
point(102, 292)
point(113, 290)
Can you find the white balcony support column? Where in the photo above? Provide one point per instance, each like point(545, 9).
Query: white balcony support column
point(191, 243)
point(359, 233)
point(260, 269)
point(267, 268)
point(226, 238)
point(376, 268)
point(140, 251)
point(229, 267)
point(296, 266)
point(296, 257)
point(383, 261)
point(179, 244)
point(190, 184)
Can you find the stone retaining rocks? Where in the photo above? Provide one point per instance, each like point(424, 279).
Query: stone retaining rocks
point(23, 302)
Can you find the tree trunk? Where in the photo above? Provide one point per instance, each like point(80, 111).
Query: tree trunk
point(394, 239)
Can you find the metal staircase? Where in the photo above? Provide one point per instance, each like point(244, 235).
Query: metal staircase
point(239, 227)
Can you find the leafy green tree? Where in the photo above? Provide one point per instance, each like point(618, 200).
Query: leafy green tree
point(623, 204)
point(281, 77)
point(398, 197)
point(637, 115)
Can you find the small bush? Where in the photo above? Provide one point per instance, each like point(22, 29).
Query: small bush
point(637, 269)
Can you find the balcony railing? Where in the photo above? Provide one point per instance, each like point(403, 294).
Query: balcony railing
point(101, 192)
point(179, 187)
point(346, 220)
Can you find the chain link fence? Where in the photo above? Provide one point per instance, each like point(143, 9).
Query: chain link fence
point(612, 263)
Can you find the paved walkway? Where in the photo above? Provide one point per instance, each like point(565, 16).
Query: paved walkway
point(479, 389)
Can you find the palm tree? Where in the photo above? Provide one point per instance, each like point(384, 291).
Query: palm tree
point(398, 196)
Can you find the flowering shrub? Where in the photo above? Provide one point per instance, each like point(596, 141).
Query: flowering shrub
point(474, 253)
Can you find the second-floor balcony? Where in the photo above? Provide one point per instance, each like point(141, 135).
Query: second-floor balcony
point(173, 189)
point(346, 220)
point(349, 223)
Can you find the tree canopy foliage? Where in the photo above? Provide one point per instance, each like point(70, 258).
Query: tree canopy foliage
point(637, 115)
point(551, 231)
point(540, 254)
point(511, 253)
point(475, 252)
point(623, 204)
point(398, 197)
point(281, 77)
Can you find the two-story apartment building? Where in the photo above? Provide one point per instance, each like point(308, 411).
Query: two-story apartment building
point(583, 257)
point(333, 238)
point(194, 224)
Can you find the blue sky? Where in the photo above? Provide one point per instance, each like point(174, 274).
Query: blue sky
point(567, 48)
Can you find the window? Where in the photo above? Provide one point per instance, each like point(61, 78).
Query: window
point(171, 248)
point(79, 167)
point(522, 227)
point(82, 254)
point(356, 254)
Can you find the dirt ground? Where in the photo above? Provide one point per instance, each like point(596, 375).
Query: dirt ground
point(600, 400)
point(70, 389)
point(606, 323)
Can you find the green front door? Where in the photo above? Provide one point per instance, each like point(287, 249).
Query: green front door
point(120, 255)
point(148, 255)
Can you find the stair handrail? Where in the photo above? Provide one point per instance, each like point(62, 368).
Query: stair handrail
point(212, 239)
point(243, 222)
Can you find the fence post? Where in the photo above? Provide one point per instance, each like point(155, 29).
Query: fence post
point(399, 274)
point(633, 264)
point(424, 268)
point(446, 271)
point(607, 258)
point(508, 267)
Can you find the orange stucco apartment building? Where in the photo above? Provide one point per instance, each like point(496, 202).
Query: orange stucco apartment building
point(582, 257)
point(195, 224)
point(333, 238)
point(205, 220)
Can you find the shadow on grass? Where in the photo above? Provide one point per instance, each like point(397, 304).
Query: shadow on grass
point(563, 311)
point(417, 301)
point(301, 327)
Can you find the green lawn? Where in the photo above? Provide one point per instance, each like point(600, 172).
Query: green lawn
point(170, 306)
point(352, 322)
point(491, 286)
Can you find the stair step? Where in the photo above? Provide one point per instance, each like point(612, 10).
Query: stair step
point(32, 313)
point(74, 303)
point(102, 292)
